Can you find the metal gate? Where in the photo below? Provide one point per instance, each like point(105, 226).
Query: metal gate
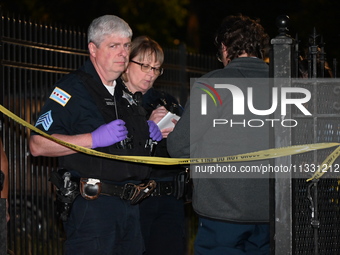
point(306, 214)
point(33, 57)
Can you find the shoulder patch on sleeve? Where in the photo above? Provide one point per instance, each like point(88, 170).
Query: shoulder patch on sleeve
point(60, 96)
point(45, 120)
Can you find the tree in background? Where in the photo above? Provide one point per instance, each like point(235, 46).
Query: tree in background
point(163, 20)
point(192, 22)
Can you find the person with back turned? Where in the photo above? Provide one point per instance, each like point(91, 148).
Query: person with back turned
point(233, 208)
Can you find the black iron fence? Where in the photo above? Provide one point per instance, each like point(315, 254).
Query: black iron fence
point(33, 57)
point(306, 214)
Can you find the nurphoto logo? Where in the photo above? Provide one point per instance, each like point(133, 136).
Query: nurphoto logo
point(238, 99)
point(212, 93)
point(281, 98)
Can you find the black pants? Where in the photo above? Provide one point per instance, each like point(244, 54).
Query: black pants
point(163, 225)
point(104, 226)
point(217, 237)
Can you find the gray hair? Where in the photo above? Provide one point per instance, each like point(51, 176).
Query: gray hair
point(107, 25)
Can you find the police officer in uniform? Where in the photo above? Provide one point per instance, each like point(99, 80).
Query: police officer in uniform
point(90, 108)
point(162, 214)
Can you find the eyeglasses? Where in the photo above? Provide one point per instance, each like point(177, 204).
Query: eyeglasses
point(146, 68)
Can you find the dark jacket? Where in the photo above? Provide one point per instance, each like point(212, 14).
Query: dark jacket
point(83, 113)
point(227, 197)
point(153, 99)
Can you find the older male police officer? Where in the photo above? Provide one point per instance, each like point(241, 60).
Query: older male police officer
point(90, 108)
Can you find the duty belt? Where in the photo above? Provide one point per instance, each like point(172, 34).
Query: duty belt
point(91, 188)
point(163, 189)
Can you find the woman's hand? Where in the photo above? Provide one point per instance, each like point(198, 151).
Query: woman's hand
point(167, 131)
point(158, 114)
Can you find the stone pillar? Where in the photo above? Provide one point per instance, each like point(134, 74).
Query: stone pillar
point(281, 183)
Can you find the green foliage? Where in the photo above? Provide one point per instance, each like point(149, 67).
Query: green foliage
point(192, 22)
point(163, 20)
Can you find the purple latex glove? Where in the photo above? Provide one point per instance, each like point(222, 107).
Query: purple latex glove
point(155, 133)
point(109, 134)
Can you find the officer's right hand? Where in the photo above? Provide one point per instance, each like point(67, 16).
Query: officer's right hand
point(109, 134)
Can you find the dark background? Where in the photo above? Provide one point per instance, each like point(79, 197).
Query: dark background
point(192, 22)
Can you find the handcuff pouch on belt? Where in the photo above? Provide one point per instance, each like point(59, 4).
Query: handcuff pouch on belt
point(143, 191)
point(182, 183)
point(90, 188)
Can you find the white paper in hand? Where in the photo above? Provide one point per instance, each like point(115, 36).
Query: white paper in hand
point(166, 122)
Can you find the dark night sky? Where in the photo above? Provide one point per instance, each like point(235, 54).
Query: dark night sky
point(304, 15)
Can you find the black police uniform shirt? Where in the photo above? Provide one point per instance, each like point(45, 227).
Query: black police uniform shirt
point(153, 99)
point(71, 109)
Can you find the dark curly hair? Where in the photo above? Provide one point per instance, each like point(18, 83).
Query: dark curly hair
point(240, 35)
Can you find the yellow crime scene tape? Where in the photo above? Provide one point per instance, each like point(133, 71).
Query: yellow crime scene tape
point(258, 155)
